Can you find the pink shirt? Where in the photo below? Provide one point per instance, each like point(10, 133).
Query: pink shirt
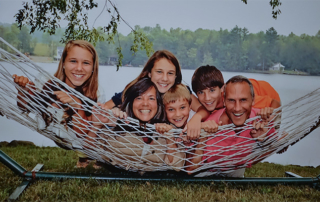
point(227, 146)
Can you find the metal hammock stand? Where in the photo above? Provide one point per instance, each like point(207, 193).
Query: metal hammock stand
point(122, 175)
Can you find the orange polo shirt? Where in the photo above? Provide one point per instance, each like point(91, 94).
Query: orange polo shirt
point(264, 93)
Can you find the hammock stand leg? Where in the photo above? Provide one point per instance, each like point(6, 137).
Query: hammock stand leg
point(38, 175)
point(293, 175)
point(290, 174)
point(25, 183)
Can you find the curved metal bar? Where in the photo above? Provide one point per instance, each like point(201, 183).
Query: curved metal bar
point(19, 170)
point(11, 164)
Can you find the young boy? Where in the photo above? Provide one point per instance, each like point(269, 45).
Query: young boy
point(177, 102)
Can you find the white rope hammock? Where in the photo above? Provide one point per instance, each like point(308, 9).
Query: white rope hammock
point(126, 149)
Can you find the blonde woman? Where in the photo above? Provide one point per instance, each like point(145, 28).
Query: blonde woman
point(78, 68)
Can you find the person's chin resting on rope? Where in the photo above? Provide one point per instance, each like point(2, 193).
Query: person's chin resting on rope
point(239, 101)
point(78, 68)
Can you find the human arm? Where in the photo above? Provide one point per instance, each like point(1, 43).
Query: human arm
point(275, 104)
point(163, 129)
point(79, 116)
point(116, 100)
point(210, 126)
point(99, 118)
point(193, 126)
point(109, 104)
point(194, 157)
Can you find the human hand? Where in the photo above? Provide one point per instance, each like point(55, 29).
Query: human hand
point(23, 82)
point(259, 131)
point(210, 126)
point(265, 113)
point(100, 117)
point(118, 113)
point(193, 128)
point(67, 98)
point(163, 128)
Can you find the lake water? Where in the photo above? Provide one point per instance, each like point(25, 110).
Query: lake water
point(290, 87)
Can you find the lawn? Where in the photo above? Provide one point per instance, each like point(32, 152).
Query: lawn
point(59, 160)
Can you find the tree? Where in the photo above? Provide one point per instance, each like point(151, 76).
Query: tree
point(25, 41)
point(207, 59)
point(270, 49)
point(12, 36)
point(45, 15)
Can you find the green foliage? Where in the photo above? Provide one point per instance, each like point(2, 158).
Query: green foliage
point(59, 160)
point(45, 15)
point(234, 50)
point(21, 39)
point(274, 4)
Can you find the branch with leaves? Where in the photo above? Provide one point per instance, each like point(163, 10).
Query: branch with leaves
point(274, 4)
point(45, 15)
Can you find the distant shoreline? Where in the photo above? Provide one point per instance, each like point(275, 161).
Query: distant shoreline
point(42, 59)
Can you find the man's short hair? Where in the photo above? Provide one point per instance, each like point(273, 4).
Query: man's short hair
point(175, 93)
point(240, 79)
point(206, 77)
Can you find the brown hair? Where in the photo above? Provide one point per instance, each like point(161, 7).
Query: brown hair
point(150, 63)
point(175, 93)
point(90, 87)
point(240, 79)
point(206, 77)
point(138, 89)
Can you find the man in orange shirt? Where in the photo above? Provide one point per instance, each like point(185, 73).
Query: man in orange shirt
point(208, 84)
point(266, 95)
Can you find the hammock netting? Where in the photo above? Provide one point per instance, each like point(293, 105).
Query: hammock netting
point(126, 149)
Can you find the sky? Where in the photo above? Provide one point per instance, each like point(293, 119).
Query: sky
point(297, 16)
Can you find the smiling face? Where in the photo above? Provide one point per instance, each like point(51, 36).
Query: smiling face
point(163, 74)
point(178, 112)
point(238, 102)
point(78, 66)
point(210, 98)
point(145, 106)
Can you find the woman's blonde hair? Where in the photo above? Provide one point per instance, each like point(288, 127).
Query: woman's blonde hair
point(150, 63)
point(90, 87)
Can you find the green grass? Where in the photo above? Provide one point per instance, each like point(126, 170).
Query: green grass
point(59, 160)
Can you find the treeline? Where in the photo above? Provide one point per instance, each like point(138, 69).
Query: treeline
point(234, 50)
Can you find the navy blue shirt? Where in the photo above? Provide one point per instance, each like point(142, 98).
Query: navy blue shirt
point(117, 99)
